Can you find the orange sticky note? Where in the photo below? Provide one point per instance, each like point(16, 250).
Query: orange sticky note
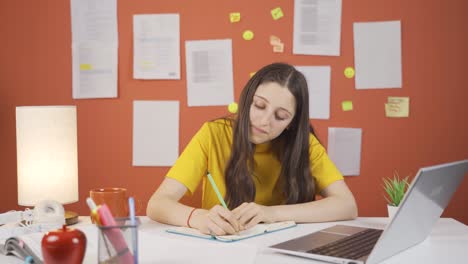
point(278, 48)
point(277, 13)
point(274, 40)
point(234, 17)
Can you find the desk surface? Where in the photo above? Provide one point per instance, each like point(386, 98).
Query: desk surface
point(447, 243)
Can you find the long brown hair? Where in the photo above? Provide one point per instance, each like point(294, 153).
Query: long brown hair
point(291, 147)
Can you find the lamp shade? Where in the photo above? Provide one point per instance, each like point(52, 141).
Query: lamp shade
point(47, 155)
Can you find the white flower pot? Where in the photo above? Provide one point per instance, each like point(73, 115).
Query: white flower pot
point(391, 210)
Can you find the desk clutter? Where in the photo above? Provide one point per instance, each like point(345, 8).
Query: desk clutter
point(116, 240)
point(447, 243)
point(110, 239)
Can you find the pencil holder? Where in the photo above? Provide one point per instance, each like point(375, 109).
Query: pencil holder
point(119, 243)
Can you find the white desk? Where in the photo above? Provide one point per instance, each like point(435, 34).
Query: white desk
point(448, 243)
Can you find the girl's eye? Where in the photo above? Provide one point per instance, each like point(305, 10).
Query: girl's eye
point(259, 106)
point(280, 118)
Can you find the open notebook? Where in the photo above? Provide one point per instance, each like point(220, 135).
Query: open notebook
point(257, 230)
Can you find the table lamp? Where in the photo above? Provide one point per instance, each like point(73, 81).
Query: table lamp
point(47, 156)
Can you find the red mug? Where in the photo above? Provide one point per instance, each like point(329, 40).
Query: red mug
point(115, 198)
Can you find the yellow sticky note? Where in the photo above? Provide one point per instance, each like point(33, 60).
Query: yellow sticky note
point(349, 72)
point(392, 110)
point(252, 74)
point(277, 13)
point(86, 67)
point(347, 105)
point(248, 35)
point(397, 107)
point(233, 107)
point(234, 17)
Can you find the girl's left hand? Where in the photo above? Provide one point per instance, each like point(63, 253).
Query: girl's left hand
point(250, 214)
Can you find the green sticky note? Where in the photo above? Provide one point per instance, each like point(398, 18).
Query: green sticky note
point(347, 105)
point(277, 13)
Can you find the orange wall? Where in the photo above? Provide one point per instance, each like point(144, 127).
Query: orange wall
point(35, 69)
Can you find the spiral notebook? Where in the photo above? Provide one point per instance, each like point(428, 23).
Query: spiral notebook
point(260, 229)
point(23, 246)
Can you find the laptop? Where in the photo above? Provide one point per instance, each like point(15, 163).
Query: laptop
point(424, 202)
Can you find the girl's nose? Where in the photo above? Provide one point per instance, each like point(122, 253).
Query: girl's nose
point(265, 118)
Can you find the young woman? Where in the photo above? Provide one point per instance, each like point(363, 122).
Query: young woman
point(266, 161)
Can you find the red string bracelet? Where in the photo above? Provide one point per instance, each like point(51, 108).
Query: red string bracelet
point(189, 216)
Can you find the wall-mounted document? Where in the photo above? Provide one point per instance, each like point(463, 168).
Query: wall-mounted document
point(156, 46)
point(94, 48)
point(318, 82)
point(94, 70)
point(377, 54)
point(155, 133)
point(317, 27)
point(94, 20)
point(209, 72)
point(344, 149)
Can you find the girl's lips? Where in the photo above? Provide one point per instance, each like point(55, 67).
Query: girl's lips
point(258, 130)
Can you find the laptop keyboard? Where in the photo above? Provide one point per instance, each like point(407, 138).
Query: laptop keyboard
point(351, 247)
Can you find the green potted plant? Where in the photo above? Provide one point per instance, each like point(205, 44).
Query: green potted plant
point(395, 189)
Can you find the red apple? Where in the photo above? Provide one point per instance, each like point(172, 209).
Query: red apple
point(65, 245)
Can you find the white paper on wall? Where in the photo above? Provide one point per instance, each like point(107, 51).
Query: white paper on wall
point(317, 27)
point(94, 48)
point(94, 70)
point(377, 55)
point(156, 46)
point(155, 133)
point(209, 72)
point(344, 149)
point(318, 82)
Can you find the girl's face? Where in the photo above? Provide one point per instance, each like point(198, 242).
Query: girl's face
point(272, 110)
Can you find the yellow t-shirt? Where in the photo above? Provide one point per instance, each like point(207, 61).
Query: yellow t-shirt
point(210, 149)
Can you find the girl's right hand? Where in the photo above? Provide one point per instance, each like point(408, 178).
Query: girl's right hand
point(217, 221)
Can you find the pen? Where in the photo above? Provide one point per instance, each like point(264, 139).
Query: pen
point(131, 207)
point(92, 206)
point(215, 188)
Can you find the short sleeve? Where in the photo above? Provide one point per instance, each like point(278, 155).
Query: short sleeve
point(191, 165)
point(322, 168)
